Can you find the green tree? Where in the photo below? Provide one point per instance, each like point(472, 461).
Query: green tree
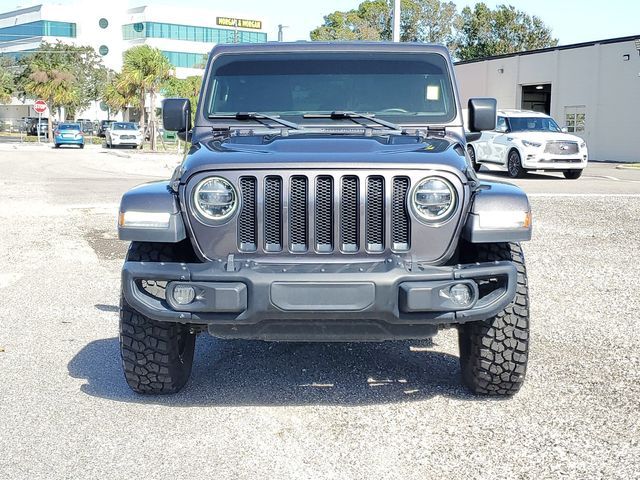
point(117, 94)
point(421, 21)
point(431, 21)
point(65, 76)
point(184, 88)
point(7, 83)
point(485, 32)
point(145, 69)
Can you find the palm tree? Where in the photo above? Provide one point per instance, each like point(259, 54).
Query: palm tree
point(144, 70)
point(118, 95)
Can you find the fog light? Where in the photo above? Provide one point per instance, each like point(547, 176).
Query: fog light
point(461, 294)
point(183, 294)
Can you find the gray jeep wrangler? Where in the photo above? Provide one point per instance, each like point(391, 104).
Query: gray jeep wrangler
point(327, 196)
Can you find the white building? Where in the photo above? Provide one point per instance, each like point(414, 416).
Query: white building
point(592, 88)
point(184, 35)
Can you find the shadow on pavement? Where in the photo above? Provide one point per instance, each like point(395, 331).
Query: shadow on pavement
point(236, 373)
point(527, 176)
point(107, 308)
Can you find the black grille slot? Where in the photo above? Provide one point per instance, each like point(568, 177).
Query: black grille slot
point(324, 214)
point(349, 214)
point(400, 230)
point(248, 220)
point(273, 214)
point(375, 214)
point(298, 218)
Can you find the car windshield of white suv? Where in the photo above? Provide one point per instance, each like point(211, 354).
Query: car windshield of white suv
point(394, 86)
point(533, 124)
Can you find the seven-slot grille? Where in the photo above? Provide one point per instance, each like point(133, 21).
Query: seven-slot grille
point(561, 148)
point(323, 213)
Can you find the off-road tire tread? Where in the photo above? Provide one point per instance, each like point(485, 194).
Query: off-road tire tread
point(494, 353)
point(474, 158)
point(150, 349)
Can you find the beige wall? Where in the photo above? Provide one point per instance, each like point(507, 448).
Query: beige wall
point(594, 77)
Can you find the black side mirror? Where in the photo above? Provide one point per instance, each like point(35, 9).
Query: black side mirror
point(176, 116)
point(482, 114)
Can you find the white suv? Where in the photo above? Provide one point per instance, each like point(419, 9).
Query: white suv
point(525, 140)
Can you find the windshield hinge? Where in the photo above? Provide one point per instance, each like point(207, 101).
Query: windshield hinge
point(437, 131)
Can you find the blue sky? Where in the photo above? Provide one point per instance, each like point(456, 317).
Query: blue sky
point(572, 21)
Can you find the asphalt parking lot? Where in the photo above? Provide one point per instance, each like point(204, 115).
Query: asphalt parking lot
point(256, 410)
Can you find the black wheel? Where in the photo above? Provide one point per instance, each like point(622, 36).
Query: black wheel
point(472, 156)
point(156, 356)
point(82, 145)
point(514, 165)
point(494, 352)
point(57, 145)
point(572, 174)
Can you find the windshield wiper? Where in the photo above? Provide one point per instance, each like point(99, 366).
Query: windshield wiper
point(260, 116)
point(353, 116)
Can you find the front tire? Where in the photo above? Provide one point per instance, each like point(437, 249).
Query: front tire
point(472, 156)
point(156, 356)
point(572, 174)
point(494, 352)
point(514, 165)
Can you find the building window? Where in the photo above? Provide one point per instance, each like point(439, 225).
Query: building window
point(103, 50)
point(190, 33)
point(575, 118)
point(104, 23)
point(41, 28)
point(185, 59)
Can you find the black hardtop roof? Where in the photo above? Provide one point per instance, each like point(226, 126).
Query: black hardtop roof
point(312, 47)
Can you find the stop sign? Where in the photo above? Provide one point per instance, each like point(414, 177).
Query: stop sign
point(40, 106)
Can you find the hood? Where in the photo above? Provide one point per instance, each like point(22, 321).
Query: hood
point(324, 151)
point(542, 137)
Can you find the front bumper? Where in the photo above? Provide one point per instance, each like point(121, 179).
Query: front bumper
point(320, 301)
point(535, 161)
point(126, 141)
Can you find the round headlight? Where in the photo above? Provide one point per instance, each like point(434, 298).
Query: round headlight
point(215, 198)
point(434, 199)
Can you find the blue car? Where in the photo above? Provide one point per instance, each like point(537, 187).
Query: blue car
point(69, 134)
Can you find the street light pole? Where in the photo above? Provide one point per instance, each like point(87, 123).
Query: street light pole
point(396, 20)
point(281, 32)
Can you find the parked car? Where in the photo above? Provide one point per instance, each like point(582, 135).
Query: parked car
point(348, 211)
point(104, 125)
point(88, 126)
point(68, 134)
point(32, 126)
point(524, 141)
point(124, 134)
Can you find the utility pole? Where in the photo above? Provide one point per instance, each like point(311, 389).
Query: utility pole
point(396, 20)
point(281, 33)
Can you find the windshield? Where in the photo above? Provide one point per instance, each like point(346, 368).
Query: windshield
point(69, 126)
point(123, 126)
point(537, 124)
point(415, 88)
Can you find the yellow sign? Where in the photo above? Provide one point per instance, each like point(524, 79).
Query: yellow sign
point(239, 23)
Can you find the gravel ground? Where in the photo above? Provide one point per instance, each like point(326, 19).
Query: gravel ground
point(256, 410)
